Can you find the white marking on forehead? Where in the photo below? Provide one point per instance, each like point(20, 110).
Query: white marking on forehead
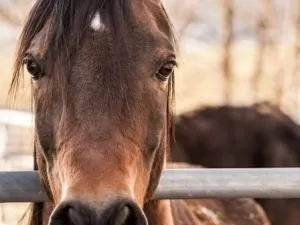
point(96, 23)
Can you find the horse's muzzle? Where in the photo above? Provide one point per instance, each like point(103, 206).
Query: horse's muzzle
point(119, 212)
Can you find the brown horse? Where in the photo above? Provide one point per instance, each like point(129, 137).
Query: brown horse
point(216, 211)
point(102, 76)
point(260, 135)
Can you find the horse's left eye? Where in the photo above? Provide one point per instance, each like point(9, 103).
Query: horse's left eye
point(33, 68)
point(166, 71)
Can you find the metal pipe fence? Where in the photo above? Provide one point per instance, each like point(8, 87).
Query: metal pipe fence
point(180, 184)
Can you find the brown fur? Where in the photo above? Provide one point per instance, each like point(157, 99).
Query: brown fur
point(103, 112)
point(258, 136)
point(216, 211)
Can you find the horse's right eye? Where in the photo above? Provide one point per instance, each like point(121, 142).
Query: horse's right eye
point(33, 68)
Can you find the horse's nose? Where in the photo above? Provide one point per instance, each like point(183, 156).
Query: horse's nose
point(124, 212)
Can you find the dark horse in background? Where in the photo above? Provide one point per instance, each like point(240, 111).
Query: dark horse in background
point(259, 136)
point(102, 75)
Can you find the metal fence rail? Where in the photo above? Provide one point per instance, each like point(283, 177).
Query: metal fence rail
point(181, 184)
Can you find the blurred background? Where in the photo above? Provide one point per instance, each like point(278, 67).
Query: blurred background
point(234, 52)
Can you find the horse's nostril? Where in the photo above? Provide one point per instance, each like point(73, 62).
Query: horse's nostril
point(73, 216)
point(66, 214)
point(122, 215)
point(120, 212)
point(127, 213)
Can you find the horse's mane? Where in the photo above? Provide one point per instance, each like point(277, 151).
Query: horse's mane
point(67, 22)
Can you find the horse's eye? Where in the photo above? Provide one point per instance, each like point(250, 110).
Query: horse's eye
point(166, 71)
point(33, 68)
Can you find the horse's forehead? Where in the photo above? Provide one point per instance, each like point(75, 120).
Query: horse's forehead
point(138, 7)
point(36, 45)
point(96, 22)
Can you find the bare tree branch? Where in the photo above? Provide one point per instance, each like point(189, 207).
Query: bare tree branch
point(185, 15)
point(227, 48)
point(296, 77)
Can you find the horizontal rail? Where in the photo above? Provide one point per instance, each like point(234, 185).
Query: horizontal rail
point(180, 184)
